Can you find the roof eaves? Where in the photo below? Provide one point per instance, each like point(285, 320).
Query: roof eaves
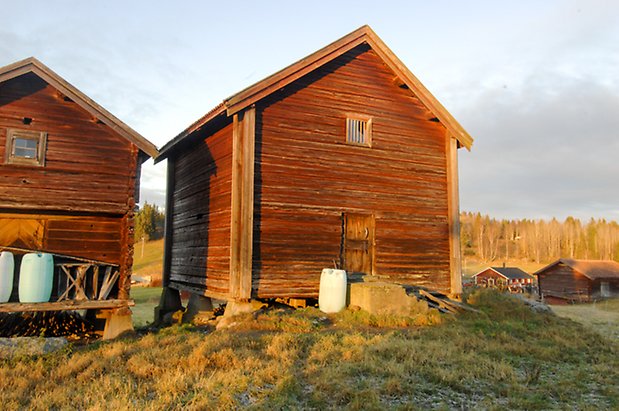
point(364, 34)
point(547, 267)
point(489, 268)
point(287, 75)
point(196, 125)
point(33, 65)
point(427, 98)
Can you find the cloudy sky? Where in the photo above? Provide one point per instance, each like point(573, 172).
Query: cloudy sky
point(536, 83)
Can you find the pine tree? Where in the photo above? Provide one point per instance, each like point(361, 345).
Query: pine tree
point(149, 222)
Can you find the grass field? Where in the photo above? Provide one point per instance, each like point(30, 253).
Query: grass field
point(602, 316)
point(506, 357)
point(146, 298)
point(149, 263)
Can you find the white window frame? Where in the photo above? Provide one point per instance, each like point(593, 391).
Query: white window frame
point(39, 136)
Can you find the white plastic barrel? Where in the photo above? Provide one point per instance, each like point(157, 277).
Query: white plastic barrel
point(36, 277)
point(332, 292)
point(7, 268)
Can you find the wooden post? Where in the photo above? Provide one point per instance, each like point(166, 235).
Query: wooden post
point(242, 219)
point(127, 238)
point(170, 300)
point(168, 231)
point(454, 216)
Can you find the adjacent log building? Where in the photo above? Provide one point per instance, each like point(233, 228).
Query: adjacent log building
point(69, 176)
point(567, 280)
point(343, 158)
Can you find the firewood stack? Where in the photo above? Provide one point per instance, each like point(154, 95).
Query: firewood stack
point(46, 324)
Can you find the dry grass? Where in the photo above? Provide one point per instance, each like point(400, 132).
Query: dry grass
point(602, 316)
point(505, 358)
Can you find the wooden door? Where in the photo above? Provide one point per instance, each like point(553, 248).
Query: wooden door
point(358, 243)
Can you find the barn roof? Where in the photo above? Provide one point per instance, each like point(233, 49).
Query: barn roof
point(282, 78)
point(592, 269)
point(32, 65)
point(511, 273)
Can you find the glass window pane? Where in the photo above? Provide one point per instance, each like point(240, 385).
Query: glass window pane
point(25, 143)
point(25, 152)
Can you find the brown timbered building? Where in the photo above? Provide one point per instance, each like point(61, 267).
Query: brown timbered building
point(568, 280)
point(343, 158)
point(69, 178)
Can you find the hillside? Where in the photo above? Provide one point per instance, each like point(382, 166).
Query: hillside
point(150, 261)
point(507, 357)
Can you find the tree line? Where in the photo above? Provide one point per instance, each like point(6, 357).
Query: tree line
point(149, 223)
point(539, 241)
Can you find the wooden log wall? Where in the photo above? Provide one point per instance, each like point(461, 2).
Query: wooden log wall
point(562, 280)
point(96, 238)
point(307, 176)
point(200, 249)
point(85, 194)
point(88, 168)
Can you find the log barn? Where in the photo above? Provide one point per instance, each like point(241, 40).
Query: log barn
point(567, 280)
point(69, 178)
point(341, 159)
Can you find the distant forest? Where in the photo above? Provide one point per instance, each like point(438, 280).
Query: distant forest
point(538, 241)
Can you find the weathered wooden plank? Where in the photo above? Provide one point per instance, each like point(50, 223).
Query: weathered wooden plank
point(200, 217)
point(307, 169)
point(66, 305)
point(169, 232)
point(199, 290)
point(87, 174)
point(242, 204)
point(453, 205)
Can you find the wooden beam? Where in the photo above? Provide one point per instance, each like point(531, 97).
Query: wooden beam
point(453, 210)
point(32, 65)
point(291, 73)
point(126, 236)
point(199, 291)
point(242, 219)
point(168, 231)
point(66, 305)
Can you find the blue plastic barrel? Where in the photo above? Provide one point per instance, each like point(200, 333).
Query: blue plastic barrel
point(36, 277)
point(7, 268)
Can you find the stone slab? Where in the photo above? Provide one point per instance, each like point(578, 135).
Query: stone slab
point(380, 297)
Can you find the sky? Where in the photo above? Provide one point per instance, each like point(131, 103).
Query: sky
point(536, 83)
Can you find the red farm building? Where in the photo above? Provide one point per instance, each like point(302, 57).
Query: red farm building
point(343, 158)
point(567, 280)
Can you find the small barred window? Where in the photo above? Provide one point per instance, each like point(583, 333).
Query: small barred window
point(359, 131)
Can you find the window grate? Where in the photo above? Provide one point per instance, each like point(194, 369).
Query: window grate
point(358, 131)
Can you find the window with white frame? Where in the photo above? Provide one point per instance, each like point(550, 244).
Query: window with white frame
point(25, 147)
